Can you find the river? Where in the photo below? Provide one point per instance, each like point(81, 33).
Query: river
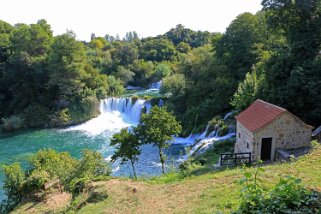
point(116, 113)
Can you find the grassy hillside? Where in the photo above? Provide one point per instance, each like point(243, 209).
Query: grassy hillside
point(215, 192)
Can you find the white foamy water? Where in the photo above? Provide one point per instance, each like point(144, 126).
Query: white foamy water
point(155, 85)
point(205, 140)
point(112, 121)
point(204, 144)
point(115, 114)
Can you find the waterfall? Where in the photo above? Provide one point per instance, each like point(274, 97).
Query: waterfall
point(227, 116)
point(204, 144)
point(160, 103)
point(203, 135)
point(115, 114)
point(155, 85)
point(130, 110)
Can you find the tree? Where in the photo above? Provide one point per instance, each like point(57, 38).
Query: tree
point(247, 91)
point(158, 128)
point(174, 85)
point(127, 148)
point(293, 75)
point(155, 49)
point(34, 39)
point(143, 71)
point(235, 48)
point(162, 70)
point(66, 65)
point(183, 47)
point(124, 53)
point(125, 75)
point(115, 86)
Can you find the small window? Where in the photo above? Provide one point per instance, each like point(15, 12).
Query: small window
point(247, 145)
point(239, 135)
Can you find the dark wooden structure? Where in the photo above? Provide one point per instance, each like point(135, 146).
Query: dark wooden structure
point(235, 159)
point(52, 183)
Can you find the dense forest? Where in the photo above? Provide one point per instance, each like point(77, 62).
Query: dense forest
point(274, 55)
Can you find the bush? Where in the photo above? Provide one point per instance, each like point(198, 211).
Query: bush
point(202, 161)
point(14, 179)
point(12, 123)
point(314, 144)
point(36, 116)
point(36, 180)
point(77, 185)
point(47, 165)
point(287, 196)
point(218, 125)
point(97, 195)
point(57, 165)
point(225, 144)
point(60, 118)
point(91, 165)
point(224, 130)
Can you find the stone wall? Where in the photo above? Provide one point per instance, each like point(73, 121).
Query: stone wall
point(287, 132)
point(244, 139)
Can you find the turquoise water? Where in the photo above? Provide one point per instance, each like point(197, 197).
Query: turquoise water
point(17, 147)
point(95, 134)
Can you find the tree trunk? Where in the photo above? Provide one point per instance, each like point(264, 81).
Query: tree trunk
point(134, 170)
point(162, 159)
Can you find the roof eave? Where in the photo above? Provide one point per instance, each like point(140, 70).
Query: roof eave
point(278, 116)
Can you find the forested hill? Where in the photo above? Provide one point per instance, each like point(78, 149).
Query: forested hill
point(273, 55)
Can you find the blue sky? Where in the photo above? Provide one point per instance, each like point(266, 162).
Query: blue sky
point(147, 17)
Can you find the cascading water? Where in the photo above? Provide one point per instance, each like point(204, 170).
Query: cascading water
point(95, 134)
point(206, 139)
point(155, 85)
point(115, 113)
point(130, 110)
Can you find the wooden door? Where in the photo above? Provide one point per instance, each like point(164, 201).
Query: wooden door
point(266, 149)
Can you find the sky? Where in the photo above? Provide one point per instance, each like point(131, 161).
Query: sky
point(146, 17)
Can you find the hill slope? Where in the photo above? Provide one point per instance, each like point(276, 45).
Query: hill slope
point(208, 193)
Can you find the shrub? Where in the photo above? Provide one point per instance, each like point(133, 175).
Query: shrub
point(14, 179)
point(97, 195)
point(36, 180)
point(91, 165)
point(287, 196)
point(225, 144)
point(202, 161)
point(134, 99)
point(218, 125)
point(60, 118)
point(314, 144)
point(12, 123)
point(47, 165)
point(77, 185)
point(56, 164)
point(224, 130)
point(36, 116)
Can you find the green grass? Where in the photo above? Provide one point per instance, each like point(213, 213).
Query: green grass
point(210, 192)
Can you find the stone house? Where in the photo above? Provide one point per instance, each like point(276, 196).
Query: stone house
point(263, 128)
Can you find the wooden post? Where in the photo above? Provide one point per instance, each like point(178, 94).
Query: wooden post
point(51, 183)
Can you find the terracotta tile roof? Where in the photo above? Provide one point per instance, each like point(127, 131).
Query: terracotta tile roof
point(259, 114)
